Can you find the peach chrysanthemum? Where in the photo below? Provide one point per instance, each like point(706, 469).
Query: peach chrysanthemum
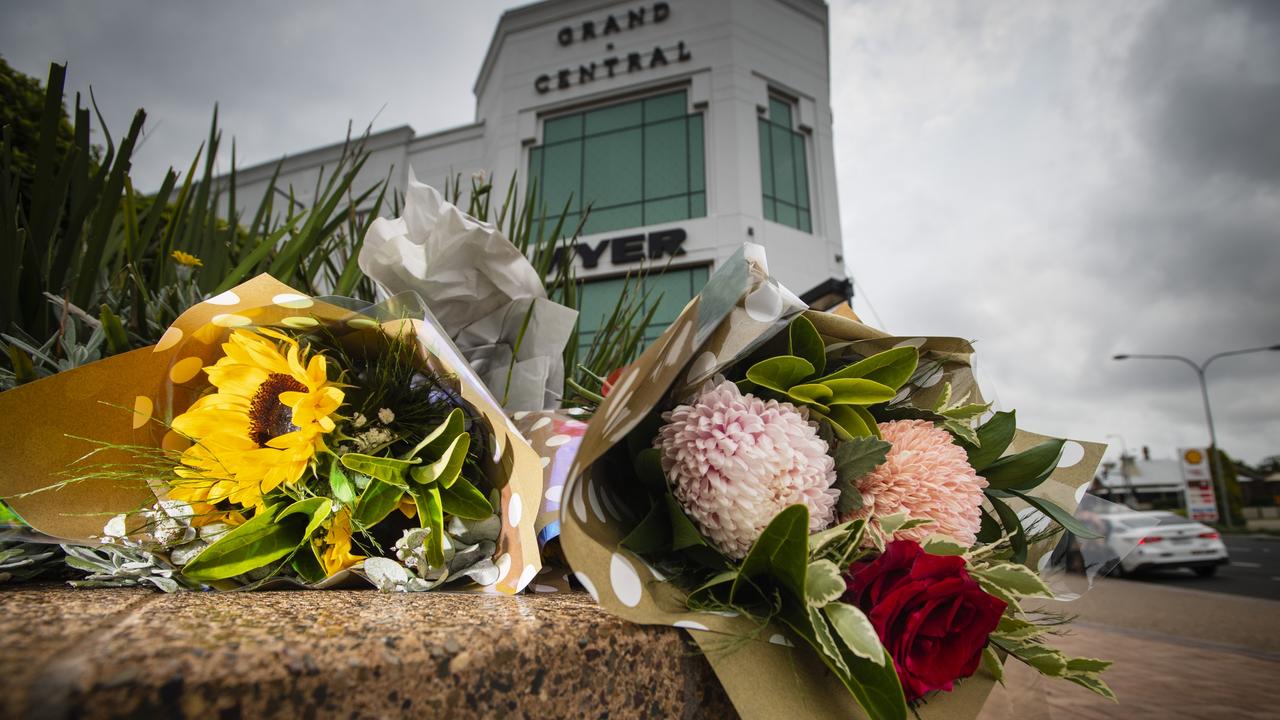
point(735, 461)
point(927, 476)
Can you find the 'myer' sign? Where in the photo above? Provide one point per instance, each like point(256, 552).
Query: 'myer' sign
point(630, 248)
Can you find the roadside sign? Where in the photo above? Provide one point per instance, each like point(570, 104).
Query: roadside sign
point(1198, 479)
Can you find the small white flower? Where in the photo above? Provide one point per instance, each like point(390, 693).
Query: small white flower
point(386, 417)
point(115, 528)
point(359, 421)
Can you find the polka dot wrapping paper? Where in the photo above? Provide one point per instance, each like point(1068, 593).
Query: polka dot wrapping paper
point(130, 399)
point(767, 672)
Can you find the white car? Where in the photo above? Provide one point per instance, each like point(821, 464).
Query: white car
point(1161, 540)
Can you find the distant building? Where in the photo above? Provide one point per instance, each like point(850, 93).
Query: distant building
point(689, 127)
point(1141, 483)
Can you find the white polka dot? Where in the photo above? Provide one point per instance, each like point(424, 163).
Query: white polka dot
point(765, 304)
point(362, 323)
point(689, 625)
point(504, 565)
point(526, 576)
point(142, 407)
point(557, 440)
point(780, 639)
point(230, 320)
point(593, 494)
point(293, 301)
point(544, 461)
point(540, 423)
point(226, 298)
point(672, 353)
point(625, 581)
point(701, 366)
point(170, 338)
point(185, 370)
point(912, 342)
point(1082, 491)
point(544, 589)
point(586, 583)
point(1072, 453)
point(299, 322)
point(554, 493)
point(520, 415)
point(515, 508)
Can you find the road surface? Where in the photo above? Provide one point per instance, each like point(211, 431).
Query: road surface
point(1254, 570)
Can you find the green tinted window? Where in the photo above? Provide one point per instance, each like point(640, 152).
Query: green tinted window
point(670, 290)
point(635, 163)
point(784, 168)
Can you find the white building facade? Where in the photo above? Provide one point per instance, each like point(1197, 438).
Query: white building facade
point(686, 126)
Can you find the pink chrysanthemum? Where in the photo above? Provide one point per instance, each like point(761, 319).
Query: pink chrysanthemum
point(927, 476)
point(735, 461)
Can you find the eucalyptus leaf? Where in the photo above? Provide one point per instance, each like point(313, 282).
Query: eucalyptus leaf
point(780, 373)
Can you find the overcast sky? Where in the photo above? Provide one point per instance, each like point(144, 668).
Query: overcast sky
point(1058, 181)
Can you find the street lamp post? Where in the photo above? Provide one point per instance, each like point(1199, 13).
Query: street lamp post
point(1208, 414)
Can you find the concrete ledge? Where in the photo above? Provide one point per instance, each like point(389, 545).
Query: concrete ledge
point(355, 654)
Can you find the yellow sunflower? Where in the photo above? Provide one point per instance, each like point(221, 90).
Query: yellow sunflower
point(335, 552)
point(262, 426)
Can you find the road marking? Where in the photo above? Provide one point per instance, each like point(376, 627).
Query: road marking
point(1247, 564)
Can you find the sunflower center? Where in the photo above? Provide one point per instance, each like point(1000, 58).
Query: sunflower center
point(268, 417)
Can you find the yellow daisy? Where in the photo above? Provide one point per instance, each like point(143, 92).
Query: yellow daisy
point(335, 553)
point(263, 425)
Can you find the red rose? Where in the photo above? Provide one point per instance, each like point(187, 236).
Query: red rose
point(931, 616)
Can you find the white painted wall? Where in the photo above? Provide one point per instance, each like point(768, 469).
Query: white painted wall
point(738, 49)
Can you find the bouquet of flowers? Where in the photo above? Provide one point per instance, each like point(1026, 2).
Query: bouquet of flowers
point(835, 514)
point(271, 437)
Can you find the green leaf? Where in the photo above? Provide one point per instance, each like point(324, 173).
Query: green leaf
point(849, 423)
point(315, 509)
point(1026, 469)
point(431, 515)
point(652, 534)
point(464, 500)
point(116, 338)
point(307, 565)
point(891, 367)
point(857, 632)
point(684, 534)
point(991, 662)
point(265, 538)
point(966, 412)
point(1017, 579)
point(648, 465)
point(858, 391)
point(389, 470)
point(1012, 526)
point(1094, 684)
point(1087, 665)
point(826, 642)
point(855, 458)
point(890, 524)
point(806, 343)
point(445, 471)
point(439, 439)
point(811, 394)
point(989, 529)
point(994, 437)
point(780, 373)
point(823, 583)
point(1042, 658)
point(341, 485)
point(780, 553)
point(943, 545)
point(375, 503)
point(1059, 515)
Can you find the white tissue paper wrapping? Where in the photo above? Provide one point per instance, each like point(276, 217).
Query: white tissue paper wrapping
point(480, 287)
